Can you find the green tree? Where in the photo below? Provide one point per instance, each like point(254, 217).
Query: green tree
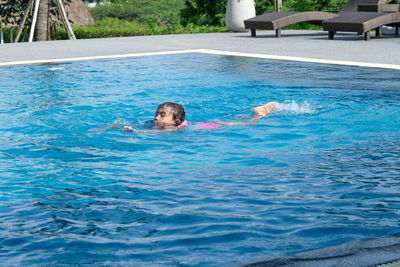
point(204, 12)
point(212, 12)
point(12, 12)
point(320, 4)
point(42, 25)
point(155, 11)
point(263, 6)
point(302, 5)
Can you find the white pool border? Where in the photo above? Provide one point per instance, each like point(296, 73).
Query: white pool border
point(209, 51)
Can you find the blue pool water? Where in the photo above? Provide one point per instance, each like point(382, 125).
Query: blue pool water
point(323, 171)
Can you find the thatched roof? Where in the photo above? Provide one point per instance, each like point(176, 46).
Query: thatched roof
point(77, 13)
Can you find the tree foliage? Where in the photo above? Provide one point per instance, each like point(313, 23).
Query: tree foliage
point(112, 27)
point(160, 12)
point(204, 12)
point(212, 12)
point(320, 4)
point(263, 6)
point(12, 11)
point(198, 12)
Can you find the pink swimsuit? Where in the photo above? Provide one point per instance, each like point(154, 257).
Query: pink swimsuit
point(207, 125)
point(201, 125)
point(198, 125)
point(183, 124)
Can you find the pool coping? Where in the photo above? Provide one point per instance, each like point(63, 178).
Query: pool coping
point(208, 51)
point(295, 45)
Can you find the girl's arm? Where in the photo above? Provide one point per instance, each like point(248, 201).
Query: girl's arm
point(130, 129)
point(105, 128)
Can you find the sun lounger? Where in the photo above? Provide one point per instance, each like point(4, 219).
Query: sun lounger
point(363, 22)
point(277, 20)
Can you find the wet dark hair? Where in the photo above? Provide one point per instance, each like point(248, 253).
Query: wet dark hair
point(178, 112)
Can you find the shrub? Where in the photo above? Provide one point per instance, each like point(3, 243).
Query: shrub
point(161, 12)
point(9, 34)
point(112, 27)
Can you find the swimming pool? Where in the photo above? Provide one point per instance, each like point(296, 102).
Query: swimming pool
point(322, 172)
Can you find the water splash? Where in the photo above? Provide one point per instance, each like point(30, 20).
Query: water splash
point(294, 108)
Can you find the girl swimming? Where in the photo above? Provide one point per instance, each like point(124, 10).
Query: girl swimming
point(171, 117)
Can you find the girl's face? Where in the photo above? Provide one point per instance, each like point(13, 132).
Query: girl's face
point(164, 118)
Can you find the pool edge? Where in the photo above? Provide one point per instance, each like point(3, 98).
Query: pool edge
point(208, 51)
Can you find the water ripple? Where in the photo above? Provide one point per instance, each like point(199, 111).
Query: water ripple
point(322, 172)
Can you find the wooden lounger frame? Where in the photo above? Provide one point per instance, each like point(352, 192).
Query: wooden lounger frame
point(361, 23)
point(277, 20)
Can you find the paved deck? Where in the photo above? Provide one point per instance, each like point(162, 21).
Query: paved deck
point(305, 44)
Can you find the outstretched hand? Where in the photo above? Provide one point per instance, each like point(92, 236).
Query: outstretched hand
point(128, 129)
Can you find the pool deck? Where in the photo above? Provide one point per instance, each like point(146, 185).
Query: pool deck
point(311, 46)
